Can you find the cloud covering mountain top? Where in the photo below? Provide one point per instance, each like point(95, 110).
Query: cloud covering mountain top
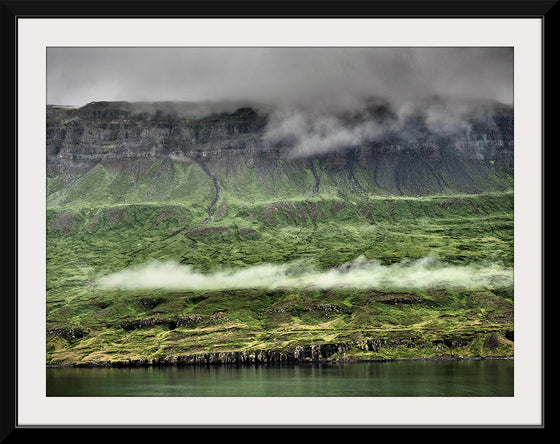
point(301, 77)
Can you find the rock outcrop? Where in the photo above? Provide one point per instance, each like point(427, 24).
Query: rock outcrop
point(333, 352)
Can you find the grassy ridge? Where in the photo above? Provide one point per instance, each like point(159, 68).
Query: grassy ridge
point(457, 229)
point(120, 182)
point(256, 181)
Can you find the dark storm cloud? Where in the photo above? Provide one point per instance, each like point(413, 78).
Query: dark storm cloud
point(322, 77)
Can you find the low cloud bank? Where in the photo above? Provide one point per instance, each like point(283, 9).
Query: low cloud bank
point(363, 274)
point(292, 76)
point(314, 130)
point(311, 134)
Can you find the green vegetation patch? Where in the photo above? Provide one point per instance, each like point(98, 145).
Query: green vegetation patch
point(89, 237)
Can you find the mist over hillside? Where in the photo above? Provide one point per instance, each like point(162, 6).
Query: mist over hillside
point(401, 121)
point(437, 146)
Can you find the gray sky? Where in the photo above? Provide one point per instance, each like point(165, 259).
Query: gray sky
point(294, 76)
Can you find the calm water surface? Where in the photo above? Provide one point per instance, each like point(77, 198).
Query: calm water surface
point(395, 379)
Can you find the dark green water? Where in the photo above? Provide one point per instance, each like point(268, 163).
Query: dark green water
point(394, 379)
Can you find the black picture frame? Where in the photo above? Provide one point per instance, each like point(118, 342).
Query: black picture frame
point(12, 11)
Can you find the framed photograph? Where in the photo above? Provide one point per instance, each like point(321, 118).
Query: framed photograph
point(268, 215)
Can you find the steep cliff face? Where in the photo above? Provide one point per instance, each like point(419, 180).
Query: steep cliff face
point(416, 155)
point(101, 131)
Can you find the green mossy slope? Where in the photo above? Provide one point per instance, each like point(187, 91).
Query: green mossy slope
point(87, 324)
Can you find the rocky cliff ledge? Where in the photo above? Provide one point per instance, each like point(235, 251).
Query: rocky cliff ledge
point(418, 156)
point(490, 344)
point(104, 130)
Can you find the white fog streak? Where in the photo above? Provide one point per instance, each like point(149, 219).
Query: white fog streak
point(361, 274)
point(318, 134)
